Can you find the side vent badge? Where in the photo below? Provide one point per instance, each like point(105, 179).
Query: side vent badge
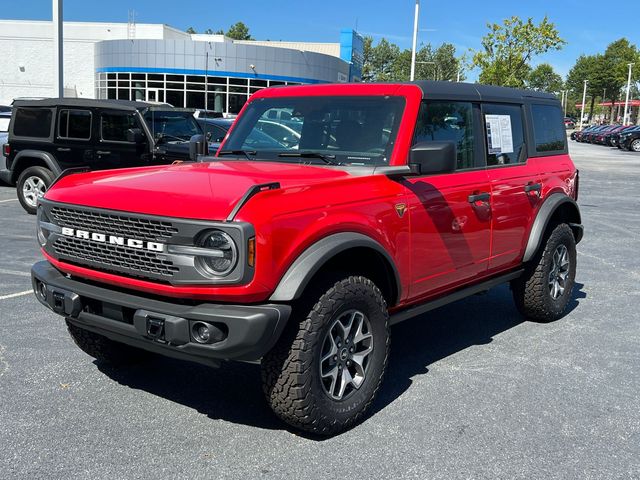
point(401, 208)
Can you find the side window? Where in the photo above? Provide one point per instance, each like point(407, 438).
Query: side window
point(505, 134)
point(114, 126)
point(74, 124)
point(217, 133)
point(33, 122)
point(448, 121)
point(548, 128)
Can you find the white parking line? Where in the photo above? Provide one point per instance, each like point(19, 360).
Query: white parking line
point(14, 295)
point(9, 200)
point(14, 272)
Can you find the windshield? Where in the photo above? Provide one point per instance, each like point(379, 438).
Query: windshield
point(169, 126)
point(348, 130)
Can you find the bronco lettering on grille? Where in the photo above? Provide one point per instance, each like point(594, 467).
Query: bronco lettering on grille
point(113, 240)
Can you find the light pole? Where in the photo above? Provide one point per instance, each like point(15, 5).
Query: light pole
point(415, 41)
point(58, 64)
point(626, 102)
point(584, 99)
point(566, 99)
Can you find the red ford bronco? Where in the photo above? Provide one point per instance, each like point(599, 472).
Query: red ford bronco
point(309, 234)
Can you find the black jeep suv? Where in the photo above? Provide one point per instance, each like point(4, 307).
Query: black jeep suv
point(52, 135)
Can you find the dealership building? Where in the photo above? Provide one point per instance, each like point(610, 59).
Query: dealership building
point(155, 62)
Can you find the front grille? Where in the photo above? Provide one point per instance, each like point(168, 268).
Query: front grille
point(138, 262)
point(113, 224)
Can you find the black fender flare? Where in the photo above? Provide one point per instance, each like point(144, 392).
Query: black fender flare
point(46, 157)
point(302, 270)
point(546, 211)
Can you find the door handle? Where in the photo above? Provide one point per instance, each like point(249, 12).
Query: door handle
point(479, 197)
point(63, 149)
point(533, 187)
point(103, 152)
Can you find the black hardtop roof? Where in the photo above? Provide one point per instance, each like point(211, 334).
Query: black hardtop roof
point(86, 103)
point(478, 92)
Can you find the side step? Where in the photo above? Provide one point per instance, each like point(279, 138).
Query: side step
point(452, 297)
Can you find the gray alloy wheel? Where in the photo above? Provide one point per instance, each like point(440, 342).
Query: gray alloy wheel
point(635, 145)
point(345, 354)
point(559, 272)
point(33, 188)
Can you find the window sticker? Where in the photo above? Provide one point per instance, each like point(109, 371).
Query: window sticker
point(499, 134)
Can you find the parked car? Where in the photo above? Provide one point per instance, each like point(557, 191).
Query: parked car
point(48, 136)
point(577, 135)
point(569, 123)
point(215, 130)
point(302, 256)
point(599, 138)
point(611, 137)
point(630, 139)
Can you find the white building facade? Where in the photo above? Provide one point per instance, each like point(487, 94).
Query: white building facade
point(159, 63)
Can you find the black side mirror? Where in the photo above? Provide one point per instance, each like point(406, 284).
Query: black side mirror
point(134, 135)
point(197, 146)
point(208, 136)
point(429, 158)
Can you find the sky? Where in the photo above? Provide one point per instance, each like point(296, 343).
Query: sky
point(587, 26)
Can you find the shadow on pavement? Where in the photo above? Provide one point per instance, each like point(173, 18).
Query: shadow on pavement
point(233, 392)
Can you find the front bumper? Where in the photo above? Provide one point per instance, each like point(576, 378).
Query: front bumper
point(242, 332)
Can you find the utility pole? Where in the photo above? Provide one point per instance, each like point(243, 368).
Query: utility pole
point(566, 99)
point(58, 64)
point(626, 102)
point(415, 41)
point(562, 99)
point(584, 99)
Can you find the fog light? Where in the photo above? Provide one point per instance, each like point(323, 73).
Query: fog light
point(42, 291)
point(203, 332)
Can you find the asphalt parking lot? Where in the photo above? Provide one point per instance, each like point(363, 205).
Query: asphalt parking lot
point(472, 391)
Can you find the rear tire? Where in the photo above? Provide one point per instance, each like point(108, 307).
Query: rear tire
point(635, 145)
point(544, 290)
point(325, 371)
point(105, 350)
point(33, 182)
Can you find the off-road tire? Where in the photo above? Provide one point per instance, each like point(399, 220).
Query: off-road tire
point(531, 291)
point(105, 350)
point(291, 370)
point(44, 174)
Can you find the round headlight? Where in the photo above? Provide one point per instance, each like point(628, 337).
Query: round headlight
point(224, 253)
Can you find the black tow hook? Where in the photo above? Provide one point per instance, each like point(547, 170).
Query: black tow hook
point(155, 328)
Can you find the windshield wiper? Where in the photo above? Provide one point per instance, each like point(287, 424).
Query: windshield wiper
point(326, 158)
point(161, 136)
point(246, 153)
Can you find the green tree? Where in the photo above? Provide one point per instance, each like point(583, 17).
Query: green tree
point(191, 30)
point(368, 75)
point(543, 78)
point(239, 31)
point(587, 67)
point(509, 47)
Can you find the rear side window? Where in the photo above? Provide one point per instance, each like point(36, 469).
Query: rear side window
point(74, 124)
point(114, 126)
point(548, 128)
point(32, 122)
point(448, 121)
point(505, 134)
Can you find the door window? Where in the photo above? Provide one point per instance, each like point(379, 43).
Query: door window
point(74, 124)
point(448, 121)
point(114, 126)
point(548, 128)
point(504, 133)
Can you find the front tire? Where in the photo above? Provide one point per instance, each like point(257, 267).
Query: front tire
point(103, 349)
point(31, 185)
point(544, 290)
point(324, 373)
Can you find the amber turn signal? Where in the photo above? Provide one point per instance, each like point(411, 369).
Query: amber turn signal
point(251, 252)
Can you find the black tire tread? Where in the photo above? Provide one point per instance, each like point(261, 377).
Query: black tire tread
point(103, 349)
point(530, 291)
point(287, 369)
